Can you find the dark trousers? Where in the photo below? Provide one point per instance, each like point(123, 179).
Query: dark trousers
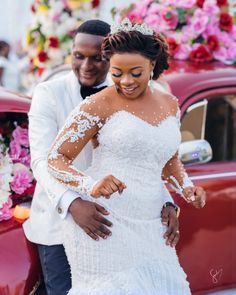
point(56, 270)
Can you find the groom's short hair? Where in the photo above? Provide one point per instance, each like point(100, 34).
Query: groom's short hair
point(94, 27)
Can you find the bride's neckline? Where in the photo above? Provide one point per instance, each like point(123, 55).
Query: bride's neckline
point(141, 119)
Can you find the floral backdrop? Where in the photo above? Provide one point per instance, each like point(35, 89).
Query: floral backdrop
point(198, 30)
point(49, 37)
point(16, 180)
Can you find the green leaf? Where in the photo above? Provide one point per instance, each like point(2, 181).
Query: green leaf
point(182, 15)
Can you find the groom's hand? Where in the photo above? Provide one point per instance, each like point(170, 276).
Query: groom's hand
point(170, 219)
point(90, 217)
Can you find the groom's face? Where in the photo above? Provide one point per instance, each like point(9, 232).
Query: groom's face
point(87, 63)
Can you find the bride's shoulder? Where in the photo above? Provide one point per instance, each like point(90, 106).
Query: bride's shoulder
point(167, 99)
point(99, 104)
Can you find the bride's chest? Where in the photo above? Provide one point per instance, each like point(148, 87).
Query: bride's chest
point(128, 135)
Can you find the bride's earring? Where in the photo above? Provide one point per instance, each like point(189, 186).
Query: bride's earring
point(151, 82)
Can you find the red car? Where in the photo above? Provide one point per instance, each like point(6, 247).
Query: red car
point(207, 98)
point(20, 271)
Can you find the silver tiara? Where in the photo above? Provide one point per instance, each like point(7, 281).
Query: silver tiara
point(127, 26)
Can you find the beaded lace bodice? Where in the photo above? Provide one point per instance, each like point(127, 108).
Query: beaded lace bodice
point(131, 138)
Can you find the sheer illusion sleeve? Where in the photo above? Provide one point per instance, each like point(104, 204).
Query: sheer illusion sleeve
point(174, 172)
point(82, 124)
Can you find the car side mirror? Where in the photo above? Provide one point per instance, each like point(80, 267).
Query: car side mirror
point(195, 152)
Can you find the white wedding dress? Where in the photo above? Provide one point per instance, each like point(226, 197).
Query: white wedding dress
point(135, 260)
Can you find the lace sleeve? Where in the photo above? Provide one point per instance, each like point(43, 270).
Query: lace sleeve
point(174, 172)
point(81, 125)
point(176, 175)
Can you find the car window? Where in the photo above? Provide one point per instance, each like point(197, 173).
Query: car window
point(213, 119)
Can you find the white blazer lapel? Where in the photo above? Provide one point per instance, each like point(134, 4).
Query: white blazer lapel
point(73, 89)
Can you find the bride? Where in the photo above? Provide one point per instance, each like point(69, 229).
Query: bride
point(135, 132)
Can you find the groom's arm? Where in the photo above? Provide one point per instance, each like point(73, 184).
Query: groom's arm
point(42, 132)
point(43, 129)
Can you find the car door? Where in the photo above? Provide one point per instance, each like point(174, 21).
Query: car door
point(208, 236)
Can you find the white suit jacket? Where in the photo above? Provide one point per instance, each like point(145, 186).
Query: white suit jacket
point(51, 104)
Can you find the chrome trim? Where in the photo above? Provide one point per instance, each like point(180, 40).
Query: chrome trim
point(217, 175)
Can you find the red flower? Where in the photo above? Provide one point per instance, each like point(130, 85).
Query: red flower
point(30, 190)
point(173, 45)
point(40, 71)
point(226, 21)
point(53, 42)
point(222, 2)
point(200, 3)
point(24, 125)
point(33, 8)
point(1, 130)
point(200, 55)
point(95, 3)
point(42, 56)
point(212, 42)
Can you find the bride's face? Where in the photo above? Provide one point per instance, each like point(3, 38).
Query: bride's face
point(130, 72)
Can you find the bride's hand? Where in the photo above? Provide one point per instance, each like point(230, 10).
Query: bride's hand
point(107, 186)
point(195, 195)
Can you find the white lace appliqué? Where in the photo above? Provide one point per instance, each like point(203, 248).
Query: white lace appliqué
point(74, 129)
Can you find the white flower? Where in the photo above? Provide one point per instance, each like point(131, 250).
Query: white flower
point(5, 165)
point(4, 195)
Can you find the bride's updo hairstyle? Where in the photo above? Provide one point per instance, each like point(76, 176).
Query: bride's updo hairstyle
point(152, 46)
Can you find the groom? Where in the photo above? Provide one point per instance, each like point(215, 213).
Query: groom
point(52, 102)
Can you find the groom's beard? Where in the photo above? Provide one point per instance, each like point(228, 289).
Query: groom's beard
point(87, 91)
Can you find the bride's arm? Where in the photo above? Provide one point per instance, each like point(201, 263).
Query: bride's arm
point(175, 174)
point(81, 125)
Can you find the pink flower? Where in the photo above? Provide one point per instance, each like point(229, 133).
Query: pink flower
point(21, 181)
point(232, 52)
point(232, 33)
point(154, 8)
point(134, 17)
point(211, 29)
point(5, 212)
point(221, 54)
point(188, 34)
point(183, 52)
point(20, 135)
point(15, 150)
point(224, 39)
point(153, 21)
point(170, 18)
point(199, 22)
point(141, 7)
point(186, 4)
point(25, 157)
point(210, 7)
point(56, 17)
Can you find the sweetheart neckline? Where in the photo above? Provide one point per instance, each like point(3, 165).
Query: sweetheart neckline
point(140, 119)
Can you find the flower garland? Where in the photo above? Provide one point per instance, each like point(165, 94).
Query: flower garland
point(197, 30)
point(16, 179)
point(49, 37)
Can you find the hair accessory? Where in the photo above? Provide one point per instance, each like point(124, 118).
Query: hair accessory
point(127, 26)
